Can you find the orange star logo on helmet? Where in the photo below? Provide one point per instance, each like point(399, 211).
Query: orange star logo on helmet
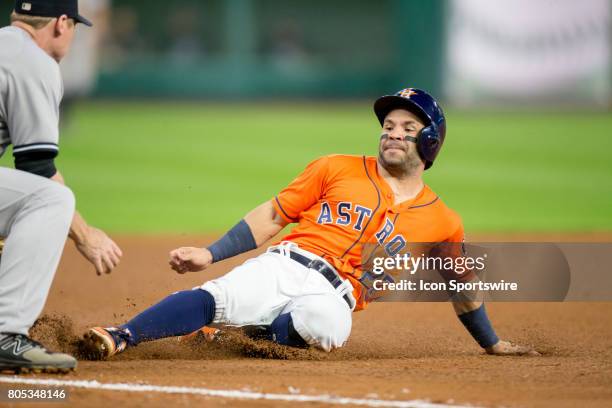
point(407, 93)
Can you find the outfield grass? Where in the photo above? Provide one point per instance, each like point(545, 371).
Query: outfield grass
point(176, 167)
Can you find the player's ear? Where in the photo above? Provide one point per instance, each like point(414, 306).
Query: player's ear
point(62, 23)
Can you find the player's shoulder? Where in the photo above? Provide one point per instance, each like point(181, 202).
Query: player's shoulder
point(443, 212)
point(344, 165)
point(345, 159)
point(12, 45)
point(24, 59)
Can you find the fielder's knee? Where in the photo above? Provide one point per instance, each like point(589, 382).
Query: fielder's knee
point(60, 197)
point(323, 321)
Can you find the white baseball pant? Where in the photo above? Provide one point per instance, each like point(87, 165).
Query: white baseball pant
point(262, 288)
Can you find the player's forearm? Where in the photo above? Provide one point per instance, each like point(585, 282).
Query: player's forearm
point(471, 311)
point(473, 316)
point(253, 230)
point(466, 306)
point(78, 228)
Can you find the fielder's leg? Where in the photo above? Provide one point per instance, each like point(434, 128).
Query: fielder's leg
point(35, 214)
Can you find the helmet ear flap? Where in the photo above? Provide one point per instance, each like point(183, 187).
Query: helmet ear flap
point(428, 144)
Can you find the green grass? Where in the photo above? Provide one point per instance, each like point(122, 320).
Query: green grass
point(179, 167)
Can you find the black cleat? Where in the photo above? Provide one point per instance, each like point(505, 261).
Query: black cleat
point(20, 354)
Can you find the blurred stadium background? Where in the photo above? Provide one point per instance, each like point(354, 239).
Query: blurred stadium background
point(181, 116)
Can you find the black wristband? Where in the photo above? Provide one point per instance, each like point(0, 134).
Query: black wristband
point(237, 240)
point(479, 326)
point(41, 166)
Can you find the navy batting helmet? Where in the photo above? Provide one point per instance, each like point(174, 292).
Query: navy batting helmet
point(419, 102)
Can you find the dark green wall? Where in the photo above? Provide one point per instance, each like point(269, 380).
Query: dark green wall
point(346, 48)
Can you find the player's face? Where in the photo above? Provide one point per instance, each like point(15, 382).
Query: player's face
point(395, 152)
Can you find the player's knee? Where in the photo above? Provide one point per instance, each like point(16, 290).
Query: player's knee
point(60, 197)
point(283, 332)
point(323, 321)
point(67, 198)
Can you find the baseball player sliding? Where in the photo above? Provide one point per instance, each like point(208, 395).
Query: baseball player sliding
point(304, 289)
point(36, 209)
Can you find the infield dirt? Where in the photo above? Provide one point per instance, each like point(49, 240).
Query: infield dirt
point(397, 351)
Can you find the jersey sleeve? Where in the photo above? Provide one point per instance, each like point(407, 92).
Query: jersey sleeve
point(458, 235)
point(33, 112)
point(454, 244)
point(455, 248)
point(303, 192)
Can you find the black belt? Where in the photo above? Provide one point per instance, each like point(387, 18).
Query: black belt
point(318, 265)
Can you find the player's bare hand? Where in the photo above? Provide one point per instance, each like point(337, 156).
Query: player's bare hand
point(505, 348)
point(100, 250)
point(190, 259)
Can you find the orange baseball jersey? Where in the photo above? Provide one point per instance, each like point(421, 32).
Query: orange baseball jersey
point(341, 202)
